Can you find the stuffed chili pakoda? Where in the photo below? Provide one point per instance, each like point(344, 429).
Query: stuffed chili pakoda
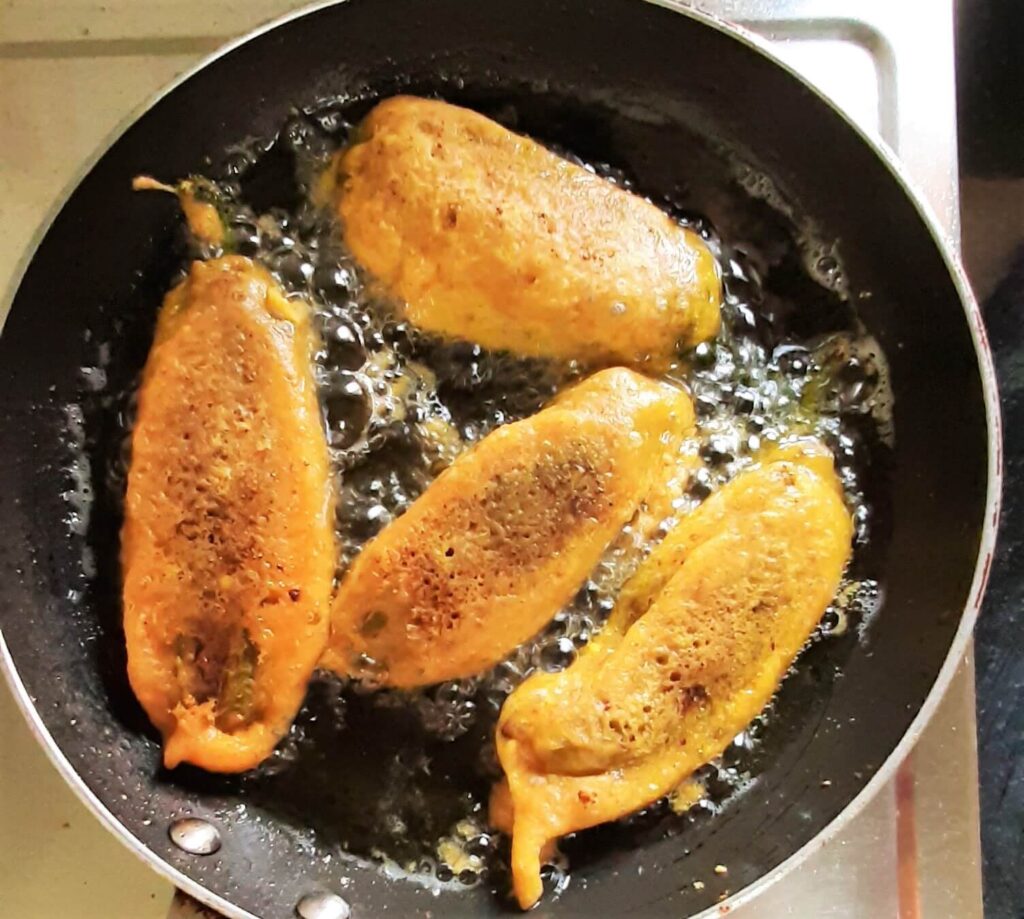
point(504, 537)
point(227, 547)
point(698, 642)
point(485, 235)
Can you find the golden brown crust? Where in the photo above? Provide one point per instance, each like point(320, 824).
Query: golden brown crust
point(698, 642)
point(227, 547)
point(504, 537)
point(486, 235)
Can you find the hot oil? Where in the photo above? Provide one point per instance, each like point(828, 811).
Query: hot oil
point(400, 777)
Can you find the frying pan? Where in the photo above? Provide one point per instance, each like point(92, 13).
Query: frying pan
point(675, 98)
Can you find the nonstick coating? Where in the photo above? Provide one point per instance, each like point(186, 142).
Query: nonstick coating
point(619, 81)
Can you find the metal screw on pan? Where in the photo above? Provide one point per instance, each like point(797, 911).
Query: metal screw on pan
point(323, 906)
point(195, 836)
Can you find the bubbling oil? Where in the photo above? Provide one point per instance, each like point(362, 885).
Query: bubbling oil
point(399, 406)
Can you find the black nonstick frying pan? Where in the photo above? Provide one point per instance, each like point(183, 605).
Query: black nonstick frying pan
point(675, 99)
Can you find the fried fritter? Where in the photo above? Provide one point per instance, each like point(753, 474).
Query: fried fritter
point(485, 235)
point(505, 536)
point(697, 644)
point(227, 548)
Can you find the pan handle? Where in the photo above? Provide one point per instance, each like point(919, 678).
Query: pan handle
point(185, 907)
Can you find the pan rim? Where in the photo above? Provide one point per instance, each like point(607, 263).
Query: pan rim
point(951, 258)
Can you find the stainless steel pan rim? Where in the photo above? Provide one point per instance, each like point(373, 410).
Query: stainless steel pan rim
point(985, 550)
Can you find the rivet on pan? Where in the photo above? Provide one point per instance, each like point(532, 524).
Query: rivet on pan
point(195, 836)
point(323, 906)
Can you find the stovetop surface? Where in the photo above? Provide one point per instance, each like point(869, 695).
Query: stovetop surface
point(67, 78)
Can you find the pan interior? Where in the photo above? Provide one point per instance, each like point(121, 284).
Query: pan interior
point(728, 137)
